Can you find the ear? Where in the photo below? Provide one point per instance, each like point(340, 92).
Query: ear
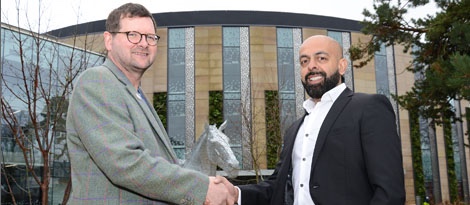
point(108, 38)
point(342, 66)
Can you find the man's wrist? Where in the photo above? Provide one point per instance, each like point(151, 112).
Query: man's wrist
point(238, 197)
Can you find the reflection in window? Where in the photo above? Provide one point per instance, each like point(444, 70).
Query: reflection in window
point(53, 60)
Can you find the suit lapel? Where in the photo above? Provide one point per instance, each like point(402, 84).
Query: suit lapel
point(329, 121)
point(156, 123)
point(290, 141)
point(286, 157)
point(150, 113)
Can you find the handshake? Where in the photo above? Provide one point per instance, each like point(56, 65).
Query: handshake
point(221, 191)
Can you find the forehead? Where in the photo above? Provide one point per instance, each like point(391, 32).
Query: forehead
point(318, 45)
point(141, 24)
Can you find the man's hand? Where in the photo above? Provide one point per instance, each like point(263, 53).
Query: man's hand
point(233, 191)
point(218, 194)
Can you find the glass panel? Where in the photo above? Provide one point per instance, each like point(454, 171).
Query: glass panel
point(382, 51)
point(381, 75)
point(285, 63)
point(337, 36)
point(176, 38)
point(176, 123)
point(17, 74)
point(455, 144)
point(234, 125)
point(232, 88)
point(232, 76)
point(52, 63)
point(231, 36)
point(286, 77)
point(176, 71)
point(285, 38)
point(425, 149)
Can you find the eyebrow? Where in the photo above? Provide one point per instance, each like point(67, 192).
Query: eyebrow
point(315, 54)
point(321, 52)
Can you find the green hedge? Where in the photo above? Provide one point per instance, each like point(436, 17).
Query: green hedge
point(273, 130)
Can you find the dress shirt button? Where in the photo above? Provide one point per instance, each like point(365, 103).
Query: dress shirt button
point(306, 135)
point(301, 185)
point(303, 159)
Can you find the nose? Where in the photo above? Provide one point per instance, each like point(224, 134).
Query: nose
point(143, 44)
point(312, 65)
point(143, 41)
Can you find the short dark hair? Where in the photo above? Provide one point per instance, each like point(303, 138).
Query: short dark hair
point(127, 10)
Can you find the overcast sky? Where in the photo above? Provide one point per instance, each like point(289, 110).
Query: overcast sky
point(61, 13)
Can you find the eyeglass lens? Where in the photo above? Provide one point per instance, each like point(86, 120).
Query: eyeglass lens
point(135, 37)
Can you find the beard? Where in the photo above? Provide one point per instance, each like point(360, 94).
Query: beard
point(316, 91)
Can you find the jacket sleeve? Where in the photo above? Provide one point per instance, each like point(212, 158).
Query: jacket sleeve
point(274, 187)
point(382, 151)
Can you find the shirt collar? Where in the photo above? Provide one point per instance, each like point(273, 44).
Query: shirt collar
point(329, 96)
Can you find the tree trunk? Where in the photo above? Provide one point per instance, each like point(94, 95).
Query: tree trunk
point(46, 178)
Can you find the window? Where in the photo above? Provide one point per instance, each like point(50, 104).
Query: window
point(286, 77)
point(176, 90)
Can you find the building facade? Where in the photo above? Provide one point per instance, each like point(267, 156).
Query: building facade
point(245, 56)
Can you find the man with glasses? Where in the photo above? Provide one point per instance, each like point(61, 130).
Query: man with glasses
point(135, 37)
point(119, 150)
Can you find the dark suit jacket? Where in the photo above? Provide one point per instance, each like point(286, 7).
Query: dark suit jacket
point(357, 157)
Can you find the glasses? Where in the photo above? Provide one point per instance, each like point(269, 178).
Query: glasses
point(135, 37)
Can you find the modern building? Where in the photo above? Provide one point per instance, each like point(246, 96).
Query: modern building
point(244, 66)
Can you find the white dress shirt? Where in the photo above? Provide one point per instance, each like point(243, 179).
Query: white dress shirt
point(305, 141)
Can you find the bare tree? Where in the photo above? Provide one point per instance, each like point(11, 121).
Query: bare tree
point(37, 76)
point(264, 135)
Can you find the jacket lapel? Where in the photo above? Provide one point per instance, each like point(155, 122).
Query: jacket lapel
point(156, 123)
point(329, 121)
point(150, 113)
point(290, 141)
point(285, 188)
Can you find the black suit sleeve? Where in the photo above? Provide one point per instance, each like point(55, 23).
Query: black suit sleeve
point(272, 190)
point(382, 151)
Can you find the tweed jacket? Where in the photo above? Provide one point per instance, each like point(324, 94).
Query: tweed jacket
point(119, 150)
point(357, 158)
